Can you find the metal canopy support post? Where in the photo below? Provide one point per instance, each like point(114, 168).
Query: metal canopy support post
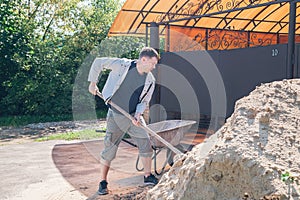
point(154, 36)
point(291, 41)
point(147, 37)
point(154, 43)
point(167, 38)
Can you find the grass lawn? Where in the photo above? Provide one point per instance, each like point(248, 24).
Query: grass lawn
point(86, 134)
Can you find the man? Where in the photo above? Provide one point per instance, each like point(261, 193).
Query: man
point(130, 85)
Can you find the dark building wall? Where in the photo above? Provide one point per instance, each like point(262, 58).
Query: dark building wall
point(217, 78)
point(244, 69)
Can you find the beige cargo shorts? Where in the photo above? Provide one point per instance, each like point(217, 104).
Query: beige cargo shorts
point(117, 126)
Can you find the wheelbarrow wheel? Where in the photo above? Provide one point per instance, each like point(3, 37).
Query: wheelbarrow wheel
point(170, 156)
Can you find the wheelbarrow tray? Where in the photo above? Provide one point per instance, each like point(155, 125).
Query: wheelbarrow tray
point(171, 130)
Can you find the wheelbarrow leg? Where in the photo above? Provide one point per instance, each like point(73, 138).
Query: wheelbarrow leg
point(163, 167)
point(137, 164)
point(156, 152)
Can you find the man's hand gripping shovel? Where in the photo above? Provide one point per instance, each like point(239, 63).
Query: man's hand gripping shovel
point(144, 126)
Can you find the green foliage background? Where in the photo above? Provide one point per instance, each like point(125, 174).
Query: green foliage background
point(45, 45)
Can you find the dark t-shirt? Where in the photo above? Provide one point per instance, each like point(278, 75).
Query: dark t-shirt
point(127, 96)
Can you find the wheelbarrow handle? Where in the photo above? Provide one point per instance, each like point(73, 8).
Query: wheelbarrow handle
point(143, 123)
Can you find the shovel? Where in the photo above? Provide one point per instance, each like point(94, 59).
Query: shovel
point(144, 126)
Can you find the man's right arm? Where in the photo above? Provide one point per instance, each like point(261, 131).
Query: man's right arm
point(98, 65)
point(102, 63)
point(93, 88)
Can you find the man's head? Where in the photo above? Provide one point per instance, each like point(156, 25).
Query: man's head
point(148, 58)
point(148, 52)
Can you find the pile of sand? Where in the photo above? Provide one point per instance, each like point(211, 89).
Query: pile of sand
point(249, 154)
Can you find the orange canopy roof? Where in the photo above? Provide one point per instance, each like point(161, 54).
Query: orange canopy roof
point(269, 16)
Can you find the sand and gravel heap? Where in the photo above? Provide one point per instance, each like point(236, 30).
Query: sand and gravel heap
point(250, 154)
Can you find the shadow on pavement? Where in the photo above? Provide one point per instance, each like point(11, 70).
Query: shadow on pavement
point(79, 164)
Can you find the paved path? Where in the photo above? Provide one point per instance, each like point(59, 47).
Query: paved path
point(63, 170)
point(28, 172)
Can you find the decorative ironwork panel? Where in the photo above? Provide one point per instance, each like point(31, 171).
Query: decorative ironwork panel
point(262, 39)
point(224, 39)
point(186, 39)
point(191, 39)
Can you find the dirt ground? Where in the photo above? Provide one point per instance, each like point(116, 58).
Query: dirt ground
point(64, 170)
point(31, 132)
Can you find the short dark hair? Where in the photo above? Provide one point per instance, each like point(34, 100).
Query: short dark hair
point(148, 52)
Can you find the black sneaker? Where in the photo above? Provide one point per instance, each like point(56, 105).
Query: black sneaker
point(150, 180)
point(103, 188)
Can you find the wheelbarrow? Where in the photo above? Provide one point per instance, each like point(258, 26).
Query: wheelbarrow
point(173, 132)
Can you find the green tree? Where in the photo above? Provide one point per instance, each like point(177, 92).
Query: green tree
point(15, 36)
point(46, 44)
point(57, 36)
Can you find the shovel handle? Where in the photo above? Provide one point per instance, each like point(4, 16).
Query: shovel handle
point(144, 126)
point(116, 107)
